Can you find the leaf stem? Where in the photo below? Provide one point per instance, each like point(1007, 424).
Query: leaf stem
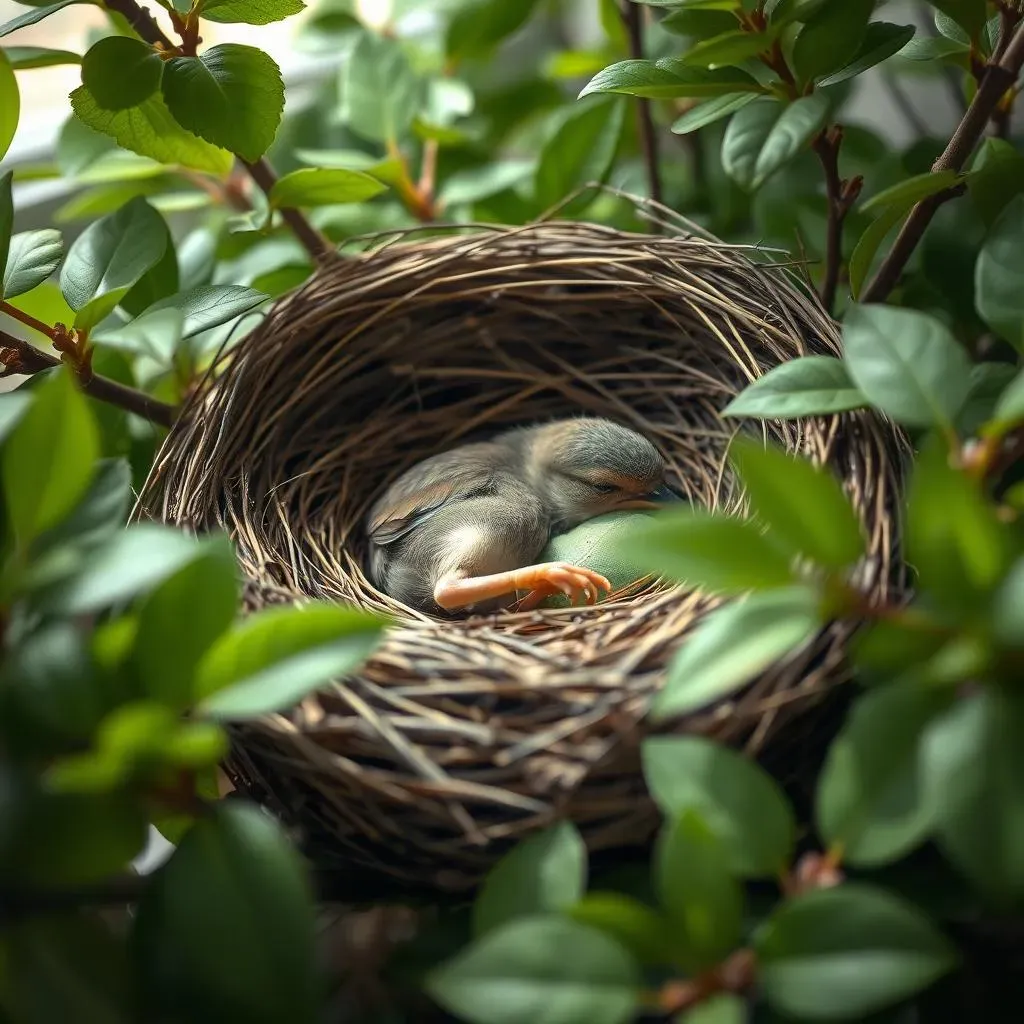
point(632, 16)
point(995, 82)
point(20, 357)
point(318, 247)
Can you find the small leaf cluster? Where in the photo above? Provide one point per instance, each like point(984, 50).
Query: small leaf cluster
point(688, 944)
point(123, 659)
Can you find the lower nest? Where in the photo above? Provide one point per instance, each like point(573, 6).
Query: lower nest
point(459, 737)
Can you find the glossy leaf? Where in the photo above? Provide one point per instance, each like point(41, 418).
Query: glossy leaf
point(970, 15)
point(318, 186)
point(745, 137)
point(545, 873)
point(806, 386)
point(121, 72)
point(863, 256)
point(727, 49)
point(1009, 409)
point(719, 553)
point(477, 183)
point(6, 220)
point(232, 96)
point(151, 130)
point(711, 111)
point(906, 363)
point(275, 658)
point(207, 306)
point(733, 645)
point(846, 952)
point(33, 256)
point(381, 94)
point(974, 779)
point(13, 405)
point(996, 177)
point(23, 58)
point(831, 38)
point(476, 27)
point(911, 190)
point(155, 335)
point(227, 927)
point(249, 12)
point(10, 104)
point(999, 279)
point(696, 887)
point(882, 40)
point(803, 505)
point(646, 933)
point(540, 968)
point(669, 79)
point(49, 458)
point(869, 798)
point(740, 802)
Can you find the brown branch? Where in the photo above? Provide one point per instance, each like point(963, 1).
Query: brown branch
point(261, 172)
point(841, 195)
point(20, 357)
point(998, 78)
point(631, 17)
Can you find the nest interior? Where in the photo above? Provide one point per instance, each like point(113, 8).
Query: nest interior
point(460, 737)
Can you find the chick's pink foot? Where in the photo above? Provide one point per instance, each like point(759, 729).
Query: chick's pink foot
point(575, 581)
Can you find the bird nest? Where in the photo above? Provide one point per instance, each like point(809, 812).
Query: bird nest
point(460, 737)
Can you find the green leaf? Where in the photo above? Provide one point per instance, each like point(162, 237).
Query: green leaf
point(741, 802)
point(201, 932)
point(831, 38)
point(151, 130)
point(803, 505)
point(696, 22)
point(33, 257)
point(909, 191)
point(727, 49)
point(48, 459)
point(275, 658)
point(1008, 610)
point(745, 137)
point(102, 511)
point(954, 539)
point(130, 563)
point(546, 873)
point(10, 104)
point(477, 27)
point(669, 79)
point(881, 41)
point(6, 222)
point(232, 96)
point(318, 186)
point(724, 1008)
point(648, 935)
point(207, 306)
point(806, 386)
point(23, 58)
point(796, 124)
point(970, 15)
point(477, 183)
point(720, 553)
point(863, 256)
point(906, 363)
point(182, 619)
point(785, 12)
point(13, 405)
point(110, 256)
point(121, 72)
point(35, 15)
point(697, 889)
point(381, 94)
point(843, 953)
point(580, 149)
point(939, 49)
point(988, 383)
point(999, 279)
point(711, 111)
point(733, 645)
point(249, 12)
point(155, 335)
point(540, 968)
point(869, 798)
point(996, 177)
point(974, 783)
point(1009, 410)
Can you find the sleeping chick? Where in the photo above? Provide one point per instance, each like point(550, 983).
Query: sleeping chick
point(460, 531)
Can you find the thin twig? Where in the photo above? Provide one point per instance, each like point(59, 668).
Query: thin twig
point(997, 79)
point(632, 18)
point(261, 172)
point(841, 195)
point(20, 357)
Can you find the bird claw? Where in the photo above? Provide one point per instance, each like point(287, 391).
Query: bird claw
point(576, 582)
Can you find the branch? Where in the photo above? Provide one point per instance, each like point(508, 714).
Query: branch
point(841, 195)
point(20, 357)
point(997, 79)
point(631, 16)
point(261, 172)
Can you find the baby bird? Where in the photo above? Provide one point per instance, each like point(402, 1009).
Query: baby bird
point(461, 530)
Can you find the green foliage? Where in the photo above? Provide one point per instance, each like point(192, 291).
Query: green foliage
point(120, 72)
point(10, 103)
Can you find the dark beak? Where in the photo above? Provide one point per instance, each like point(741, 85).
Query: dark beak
point(664, 495)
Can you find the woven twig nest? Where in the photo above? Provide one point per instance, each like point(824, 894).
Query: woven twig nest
point(460, 737)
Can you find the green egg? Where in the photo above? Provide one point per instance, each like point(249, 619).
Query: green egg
point(602, 544)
